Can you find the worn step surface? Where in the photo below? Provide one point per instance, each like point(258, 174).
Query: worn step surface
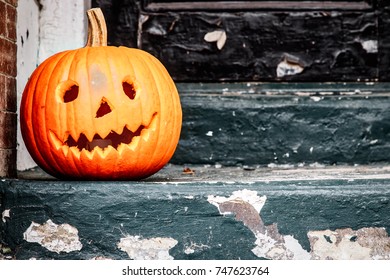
point(201, 212)
point(286, 123)
point(262, 184)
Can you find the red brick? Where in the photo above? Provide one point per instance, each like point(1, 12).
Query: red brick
point(11, 23)
point(8, 116)
point(8, 130)
point(3, 19)
point(8, 17)
point(7, 93)
point(12, 2)
point(7, 57)
point(8, 163)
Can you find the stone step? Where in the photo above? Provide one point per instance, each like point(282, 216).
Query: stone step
point(201, 212)
point(262, 124)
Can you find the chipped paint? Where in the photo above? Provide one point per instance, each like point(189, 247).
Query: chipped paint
point(371, 46)
point(6, 214)
point(248, 196)
point(100, 258)
point(293, 245)
point(288, 67)
point(272, 245)
point(147, 249)
point(195, 248)
point(348, 244)
point(246, 205)
point(316, 98)
point(340, 244)
point(53, 237)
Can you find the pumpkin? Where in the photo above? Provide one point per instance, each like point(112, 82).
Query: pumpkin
point(101, 112)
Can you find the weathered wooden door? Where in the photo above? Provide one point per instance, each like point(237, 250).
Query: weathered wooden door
point(300, 41)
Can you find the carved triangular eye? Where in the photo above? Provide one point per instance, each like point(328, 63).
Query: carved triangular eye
point(104, 108)
point(129, 90)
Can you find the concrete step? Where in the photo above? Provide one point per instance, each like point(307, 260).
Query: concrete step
point(201, 212)
point(280, 171)
point(261, 124)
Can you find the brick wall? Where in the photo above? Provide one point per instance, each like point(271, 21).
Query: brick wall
point(8, 117)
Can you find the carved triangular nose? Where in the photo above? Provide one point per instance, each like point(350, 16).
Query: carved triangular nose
point(104, 108)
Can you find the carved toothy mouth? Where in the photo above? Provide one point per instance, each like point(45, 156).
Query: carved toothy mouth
point(113, 139)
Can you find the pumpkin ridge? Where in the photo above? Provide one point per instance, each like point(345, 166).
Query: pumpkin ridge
point(26, 115)
point(90, 101)
point(56, 60)
point(158, 72)
point(141, 58)
point(65, 60)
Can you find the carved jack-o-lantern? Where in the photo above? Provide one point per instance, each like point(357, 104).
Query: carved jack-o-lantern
point(101, 112)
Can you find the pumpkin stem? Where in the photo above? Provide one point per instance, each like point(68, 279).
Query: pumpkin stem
point(97, 29)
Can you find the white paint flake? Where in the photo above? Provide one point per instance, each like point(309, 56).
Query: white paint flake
point(288, 68)
point(6, 214)
point(194, 247)
point(316, 98)
point(325, 245)
point(244, 195)
point(274, 246)
point(371, 46)
point(53, 237)
point(293, 245)
point(147, 249)
point(348, 244)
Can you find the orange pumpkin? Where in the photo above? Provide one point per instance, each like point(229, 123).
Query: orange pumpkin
point(101, 112)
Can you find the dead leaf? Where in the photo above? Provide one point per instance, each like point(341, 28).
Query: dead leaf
point(218, 36)
point(188, 171)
